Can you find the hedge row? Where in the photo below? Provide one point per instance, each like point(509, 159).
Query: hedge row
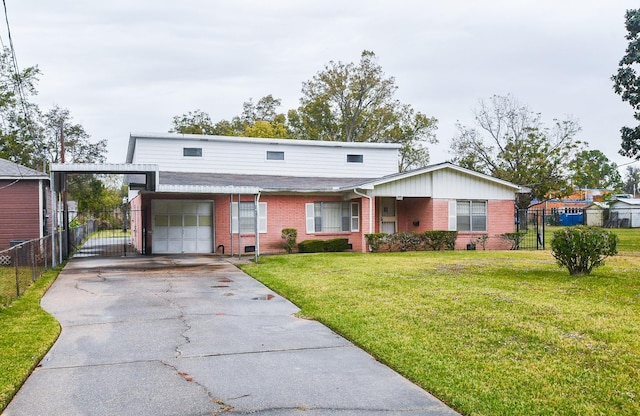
point(407, 241)
point(319, 246)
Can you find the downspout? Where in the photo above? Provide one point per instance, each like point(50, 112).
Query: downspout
point(355, 190)
point(257, 214)
point(231, 222)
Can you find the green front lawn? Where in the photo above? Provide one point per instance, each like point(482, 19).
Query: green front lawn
point(26, 334)
point(489, 333)
point(628, 244)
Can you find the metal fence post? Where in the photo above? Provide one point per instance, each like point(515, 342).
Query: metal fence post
point(15, 262)
point(34, 276)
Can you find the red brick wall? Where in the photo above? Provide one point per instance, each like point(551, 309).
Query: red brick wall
point(499, 221)
point(283, 211)
point(433, 214)
point(19, 211)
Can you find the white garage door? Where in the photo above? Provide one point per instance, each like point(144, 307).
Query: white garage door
point(182, 226)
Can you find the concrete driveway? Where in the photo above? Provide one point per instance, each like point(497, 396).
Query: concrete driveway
point(193, 335)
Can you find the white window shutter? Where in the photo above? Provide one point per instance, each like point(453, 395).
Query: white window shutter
point(453, 215)
point(262, 217)
point(234, 217)
point(310, 214)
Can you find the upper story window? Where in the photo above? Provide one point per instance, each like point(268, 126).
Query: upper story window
point(192, 151)
point(275, 155)
point(355, 159)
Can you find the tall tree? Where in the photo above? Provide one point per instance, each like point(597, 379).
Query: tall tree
point(59, 130)
point(259, 119)
point(18, 116)
point(627, 83)
point(346, 102)
point(413, 130)
point(356, 103)
point(194, 122)
point(510, 142)
point(593, 169)
point(632, 180)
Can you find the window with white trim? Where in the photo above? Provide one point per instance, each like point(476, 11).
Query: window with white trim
point(355, 159)
point(326, 217)
point(244, 217)
point(275, 155)
point(192, 151)
point(471, 215)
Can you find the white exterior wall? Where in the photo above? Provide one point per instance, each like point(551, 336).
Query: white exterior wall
point(630, 212)
point(446, 184)
point(248, 156)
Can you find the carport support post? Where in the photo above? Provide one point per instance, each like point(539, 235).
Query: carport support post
point(256, 213)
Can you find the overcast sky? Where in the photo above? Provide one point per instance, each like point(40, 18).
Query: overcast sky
point(131, 66)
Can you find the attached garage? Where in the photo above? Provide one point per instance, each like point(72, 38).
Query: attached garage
point(182, 226)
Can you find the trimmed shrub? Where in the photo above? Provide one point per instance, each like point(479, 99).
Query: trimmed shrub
point(289, 236)
point(514, 238)
point(336, 244)
point(311, 246)
point(582, 248)
point(319, 246)
point(404, 241)
point(375, 241)
point(440, 240)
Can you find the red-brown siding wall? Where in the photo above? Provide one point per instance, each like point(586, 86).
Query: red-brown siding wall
point(19, 211)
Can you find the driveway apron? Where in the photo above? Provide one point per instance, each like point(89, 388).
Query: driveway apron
point(194, 335)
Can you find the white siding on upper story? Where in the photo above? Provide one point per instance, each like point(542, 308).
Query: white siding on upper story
point(445, 184)
point(249, 156)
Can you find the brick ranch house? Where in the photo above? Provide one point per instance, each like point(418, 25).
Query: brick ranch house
point(203, 195)
point(24, 203)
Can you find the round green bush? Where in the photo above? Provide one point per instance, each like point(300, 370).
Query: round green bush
point(582, 248)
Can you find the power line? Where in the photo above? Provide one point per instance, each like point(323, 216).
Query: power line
point(19, 83)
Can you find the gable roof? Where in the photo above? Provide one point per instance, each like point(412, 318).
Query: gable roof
point(11, 170)
point(442, 166)
point(626, 201)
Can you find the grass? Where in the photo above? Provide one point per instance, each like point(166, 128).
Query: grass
point(489, 333)
point(26, 334)
point(628, 244)
point(8, 292)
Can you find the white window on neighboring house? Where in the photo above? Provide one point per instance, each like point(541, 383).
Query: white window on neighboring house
point(244, 217)
point(469, 215)
point(327, 217)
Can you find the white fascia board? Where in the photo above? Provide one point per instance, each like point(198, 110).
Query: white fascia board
point(206, 189)
point(104, 167)
point(235, 139)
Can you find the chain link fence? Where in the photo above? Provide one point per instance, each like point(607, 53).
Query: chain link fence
point(25, 261)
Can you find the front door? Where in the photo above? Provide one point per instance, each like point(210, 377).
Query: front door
point(388, 218)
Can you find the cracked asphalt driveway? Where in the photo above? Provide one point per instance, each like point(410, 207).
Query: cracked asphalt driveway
point(194, 335)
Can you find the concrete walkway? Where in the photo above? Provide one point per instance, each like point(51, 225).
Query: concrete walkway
point(193, 335)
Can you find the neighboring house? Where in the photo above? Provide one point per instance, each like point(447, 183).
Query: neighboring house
point(24, 204)
point(624, 213)
point(205, 191)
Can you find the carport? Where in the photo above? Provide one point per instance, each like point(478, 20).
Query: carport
point(195, 232)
